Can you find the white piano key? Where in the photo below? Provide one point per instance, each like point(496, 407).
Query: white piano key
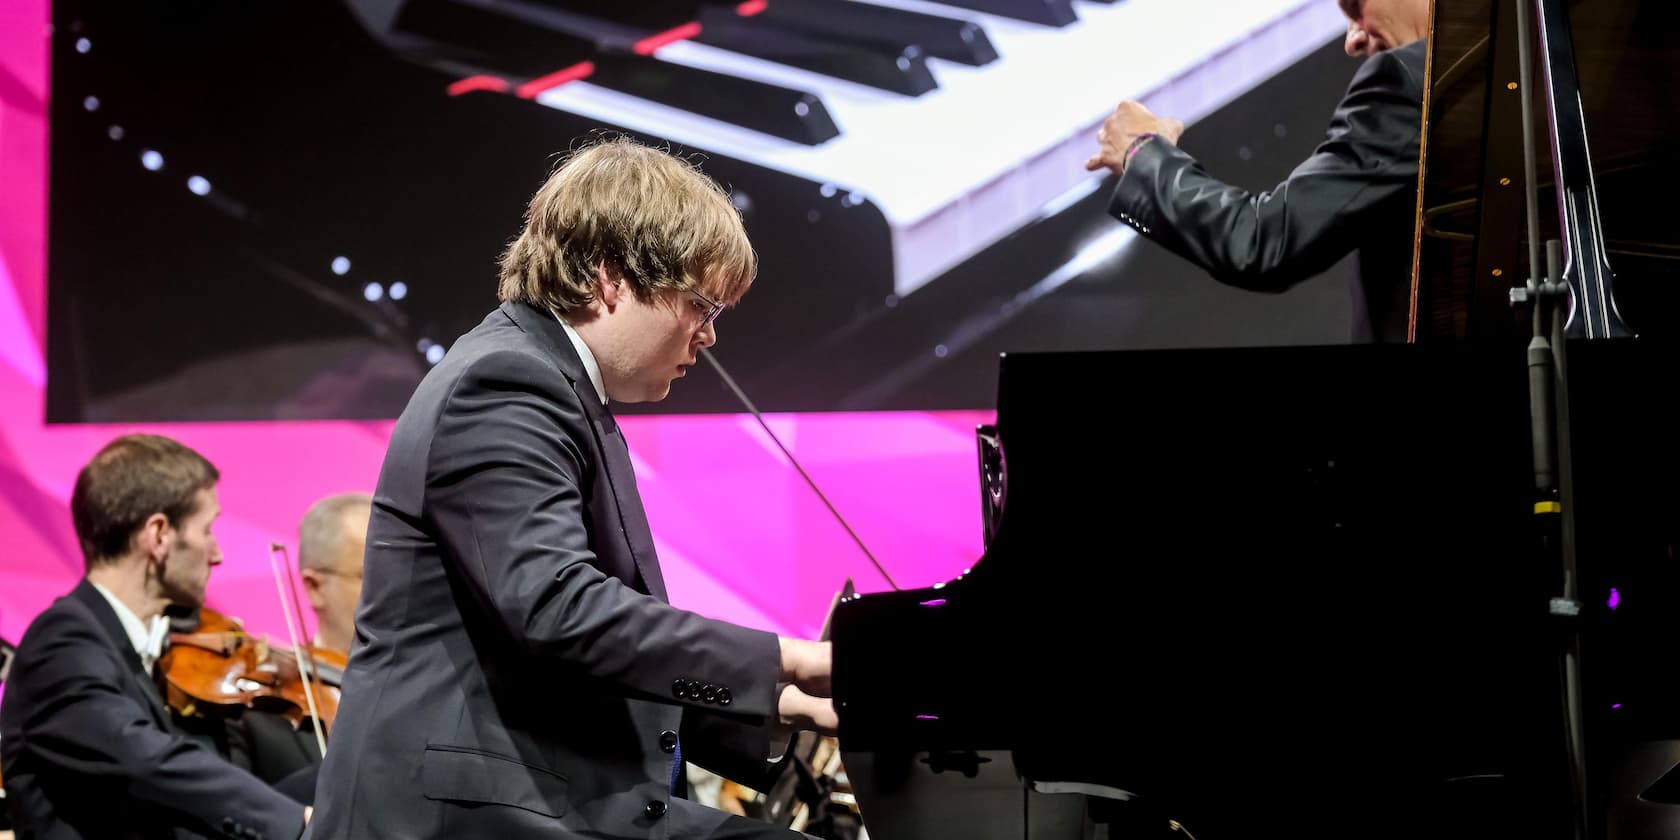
point(956, 169)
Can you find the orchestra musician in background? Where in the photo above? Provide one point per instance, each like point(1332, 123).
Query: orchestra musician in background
point(1358, 190)
point(274, 746)
point(87, 745)
point(518, 670)
point(332, 536)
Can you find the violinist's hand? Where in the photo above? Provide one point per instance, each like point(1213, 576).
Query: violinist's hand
point(308, 811)
point(804, 713)
point(808, 665)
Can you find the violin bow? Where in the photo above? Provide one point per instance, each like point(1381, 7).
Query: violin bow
point(300, 654)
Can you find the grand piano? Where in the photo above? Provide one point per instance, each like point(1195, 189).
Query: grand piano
point(1323, 591)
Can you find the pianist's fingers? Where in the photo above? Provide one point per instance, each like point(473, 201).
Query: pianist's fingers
point(803, 712)
point(808, 665)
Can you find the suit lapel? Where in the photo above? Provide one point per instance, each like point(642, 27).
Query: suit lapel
point(620, 475)
point(118, 638)
point(615, 467)
point(160, 710)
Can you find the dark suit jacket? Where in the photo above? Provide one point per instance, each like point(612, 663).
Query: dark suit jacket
point(265, 743)
point(88, 750)
point(1358, 190)
point(517, 671)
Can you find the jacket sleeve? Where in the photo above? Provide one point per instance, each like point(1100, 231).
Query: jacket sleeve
point(1270, 241)
point(506, 478)
point(81, 723)
point(747, 753)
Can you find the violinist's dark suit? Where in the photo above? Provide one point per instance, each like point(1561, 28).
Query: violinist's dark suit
point(266, 743)
point(517, 672)
point(1357, 191)
point(88, 750)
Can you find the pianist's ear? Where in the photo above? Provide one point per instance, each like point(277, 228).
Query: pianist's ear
point(609, 285)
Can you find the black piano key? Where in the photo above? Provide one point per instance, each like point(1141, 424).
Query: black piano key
point(960, 41)
point(788, 113)
point(650, 15)
point(484, 37)
point(1047, 12)
point(900, 68)
point(533, 45)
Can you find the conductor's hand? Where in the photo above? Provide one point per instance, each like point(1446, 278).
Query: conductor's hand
point(808, 665)
point(804, 713)
point(1127, 123)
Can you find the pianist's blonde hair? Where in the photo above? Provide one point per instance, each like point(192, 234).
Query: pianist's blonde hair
point(640, 211)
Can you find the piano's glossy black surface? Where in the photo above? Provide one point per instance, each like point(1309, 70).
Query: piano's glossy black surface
point(1263, 590)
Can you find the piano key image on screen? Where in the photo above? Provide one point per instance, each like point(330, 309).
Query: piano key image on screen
point(886, 156)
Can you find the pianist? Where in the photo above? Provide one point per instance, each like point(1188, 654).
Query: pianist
point(1358, 190)
point(517, 671)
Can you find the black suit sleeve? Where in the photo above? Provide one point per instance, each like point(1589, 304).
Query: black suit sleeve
point(87, 726)
point(1272, 240)
point(734, 750)
point(504, 486)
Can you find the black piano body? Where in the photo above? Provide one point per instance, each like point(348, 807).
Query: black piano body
point(1273, 592)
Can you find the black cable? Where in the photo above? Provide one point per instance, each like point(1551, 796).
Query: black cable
point(742, 396)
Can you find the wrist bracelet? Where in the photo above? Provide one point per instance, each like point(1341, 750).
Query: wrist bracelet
point(1132, 149)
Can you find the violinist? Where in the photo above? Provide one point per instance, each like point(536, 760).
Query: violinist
point(87, 745)
point(331, 538)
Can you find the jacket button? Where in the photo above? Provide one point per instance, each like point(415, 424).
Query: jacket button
point(655, 808)
point(668, 741)
point(679, 688)
point(708, 694)
point(723, 697)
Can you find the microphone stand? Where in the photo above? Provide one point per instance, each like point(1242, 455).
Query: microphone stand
point(1548, 381)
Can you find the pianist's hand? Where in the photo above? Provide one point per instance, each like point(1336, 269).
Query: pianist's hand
point(1127, 123)
point(807, 664)
point(804, 713)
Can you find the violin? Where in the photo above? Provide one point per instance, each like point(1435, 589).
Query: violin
point(219, 668)
point(222, 669)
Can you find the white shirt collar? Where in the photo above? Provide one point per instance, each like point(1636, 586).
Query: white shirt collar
point(147, 641)
point(589, 366)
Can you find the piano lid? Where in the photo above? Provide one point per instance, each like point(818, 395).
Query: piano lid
point(1471, 236)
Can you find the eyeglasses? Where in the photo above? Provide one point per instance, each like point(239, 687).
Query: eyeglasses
point(705, 306)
